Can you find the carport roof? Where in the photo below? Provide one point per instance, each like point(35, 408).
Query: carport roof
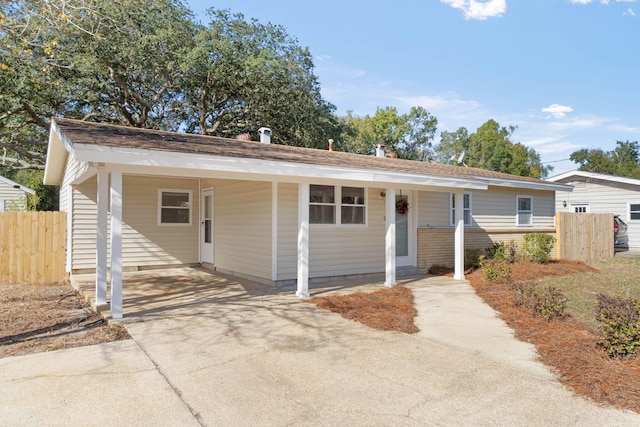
point(76, 133)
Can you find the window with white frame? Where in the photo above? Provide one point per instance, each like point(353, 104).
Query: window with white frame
point(329, 204)
point(634, 211)
point(174, 207)
point(352, 208)
point(524, 210)
point(466, 206)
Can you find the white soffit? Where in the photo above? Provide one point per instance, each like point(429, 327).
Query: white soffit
point(263, 168)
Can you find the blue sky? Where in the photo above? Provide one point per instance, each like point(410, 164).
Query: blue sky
point(565, 72)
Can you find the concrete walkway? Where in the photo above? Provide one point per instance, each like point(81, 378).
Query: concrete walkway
point(237, 353)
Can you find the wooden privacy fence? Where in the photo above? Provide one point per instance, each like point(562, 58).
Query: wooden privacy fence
point(32, 247)
point(584, 237)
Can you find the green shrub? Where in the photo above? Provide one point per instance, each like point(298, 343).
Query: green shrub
point(619, 324)
point(497, 271)
point(537, 247)
point(544, 301)
point(503, 251)
point(473, 258)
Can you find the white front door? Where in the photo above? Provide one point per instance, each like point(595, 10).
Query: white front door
point(206, 224)
point(404, 230)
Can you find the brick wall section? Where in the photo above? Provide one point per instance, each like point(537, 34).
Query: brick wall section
point(435, 245)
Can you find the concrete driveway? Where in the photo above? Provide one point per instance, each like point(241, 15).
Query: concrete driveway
point(244, 355)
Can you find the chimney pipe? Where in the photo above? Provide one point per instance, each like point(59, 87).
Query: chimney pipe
point(380, 150)
point(265, 135)
point(331, 145)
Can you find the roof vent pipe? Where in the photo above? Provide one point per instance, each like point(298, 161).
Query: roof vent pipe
point(331, 145)
point(380, 150)
point(265, 135)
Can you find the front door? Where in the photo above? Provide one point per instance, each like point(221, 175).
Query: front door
point(404, 227)
point(206, 233)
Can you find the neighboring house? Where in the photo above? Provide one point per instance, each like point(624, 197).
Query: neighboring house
point(13, 196)
point(272, 213)
point(600, 193)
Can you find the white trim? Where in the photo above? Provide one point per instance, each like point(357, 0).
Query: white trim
point(160, 207)
point(211, 166)
point(593, 175)
point(458, 273)
point(451, 203)
point(101, 236)
point(529, 185)
point(201, 228)
point(274, 231)
point(17, 186)
point(629, 220)
point(303, 241)
point(390, 238)
point(523, 196)
point(69, 254)
point(116, 245)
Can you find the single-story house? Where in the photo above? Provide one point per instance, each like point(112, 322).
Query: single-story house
point(13, 196)
point(272, 213)
point(600, 193)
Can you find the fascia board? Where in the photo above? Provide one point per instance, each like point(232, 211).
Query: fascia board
point(57, 149)
point(526, 184)
point(599, 176)
point(276, 170)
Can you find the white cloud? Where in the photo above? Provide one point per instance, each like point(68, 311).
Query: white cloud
point(629, 12)
point(480, 10)
point(557, 111)
point(581, 1)
point(605, 2)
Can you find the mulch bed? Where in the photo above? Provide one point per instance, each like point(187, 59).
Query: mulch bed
point(387, 309)
point(569, 346)
point(36, 318)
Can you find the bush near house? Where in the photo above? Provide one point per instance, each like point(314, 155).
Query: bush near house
point(619, 325)
point(497, 271)
point(537, 247)
point(544, 301)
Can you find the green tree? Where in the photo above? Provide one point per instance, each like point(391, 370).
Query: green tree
point(490, 147)
point(150, 64)
point(408, 135)
point(624, 160)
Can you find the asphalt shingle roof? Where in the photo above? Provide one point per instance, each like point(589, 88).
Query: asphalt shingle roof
point(82, 132)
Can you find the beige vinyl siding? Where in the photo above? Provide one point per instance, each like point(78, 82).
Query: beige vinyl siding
point(287, 231)
point(144, 242)
point(340, 250)
point(493, 208)
point(603, 197)
point(12, 199)
point(496, 208)
point(242, 226)
point(433, 209)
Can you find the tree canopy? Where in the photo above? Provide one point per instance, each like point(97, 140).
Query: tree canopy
point(490, 147)
point(150, 64)
point(409, 135)
point(624, 160)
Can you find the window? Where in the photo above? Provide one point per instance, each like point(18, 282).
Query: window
point(634, 211)
point(466, 203)
point(524, 206)
point(323, 208)
point(174, 207)
point(352, 208)
point(322, 204)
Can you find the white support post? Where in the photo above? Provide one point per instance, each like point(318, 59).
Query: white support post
point(101, 236)
point(458, 272)
point(303, 241)
point(116, 245)
point(274, 231)
point(390, 238)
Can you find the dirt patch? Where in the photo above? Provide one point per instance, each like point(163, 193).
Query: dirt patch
point(569, 346)
point(36, 318)
point(387, 309)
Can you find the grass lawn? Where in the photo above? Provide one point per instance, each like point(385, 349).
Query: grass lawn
point(618, 276)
